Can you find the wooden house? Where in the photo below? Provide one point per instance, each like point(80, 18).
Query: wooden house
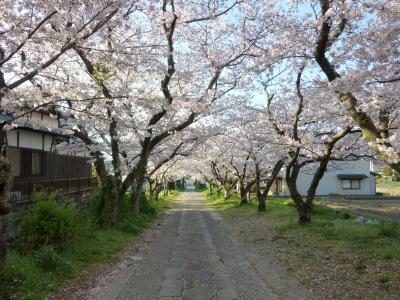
point(38, 163)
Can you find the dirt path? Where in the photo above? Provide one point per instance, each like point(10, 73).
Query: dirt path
point(389, 209)
point(194, 258)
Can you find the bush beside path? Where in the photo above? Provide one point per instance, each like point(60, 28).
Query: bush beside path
point(59, 247)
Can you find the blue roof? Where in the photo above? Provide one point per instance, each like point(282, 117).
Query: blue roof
point(5, 117)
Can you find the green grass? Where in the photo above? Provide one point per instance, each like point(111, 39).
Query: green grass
point(36, 275)
point(166, 201)
point(383, 181)
point(391, 188)
point(199, 189)
point(25, 279)
point(331, 231)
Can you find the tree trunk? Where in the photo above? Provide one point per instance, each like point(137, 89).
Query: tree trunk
point(135, 198)
point(153, 187)
point(6, 182)
point(304, 209)
point(110, 197)
point(111, 203)
point(3, 249)
point(138, 190)
point(242, 192)
point(165, 186)
point(151, 194)
point(157, 192)
point(226, 194)
point(262, 199)
point(136, 202)
point(219, 190)
point(244, 199)
point(135, 179)
point(305, 212)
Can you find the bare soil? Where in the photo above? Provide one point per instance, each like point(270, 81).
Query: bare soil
point(382, 208)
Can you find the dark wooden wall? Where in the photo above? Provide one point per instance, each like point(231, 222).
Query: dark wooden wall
point(55, 166)
point(65, 166)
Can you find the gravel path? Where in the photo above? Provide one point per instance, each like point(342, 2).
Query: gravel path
point(193, 258)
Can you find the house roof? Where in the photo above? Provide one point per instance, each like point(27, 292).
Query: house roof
point(5, 117)
point(33, 127)
point(352, 176)
point(42, 129)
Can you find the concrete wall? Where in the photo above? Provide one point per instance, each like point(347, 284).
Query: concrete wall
point(331, 184)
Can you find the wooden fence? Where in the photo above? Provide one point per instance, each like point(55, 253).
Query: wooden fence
point(23, 191)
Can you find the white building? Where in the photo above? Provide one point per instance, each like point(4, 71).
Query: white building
point(341, 178)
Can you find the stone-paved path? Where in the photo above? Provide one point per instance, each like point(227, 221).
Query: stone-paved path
point(192, 259)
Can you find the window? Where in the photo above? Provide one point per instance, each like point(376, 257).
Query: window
point(279, 185)
point(36, 163)
point(351, 184)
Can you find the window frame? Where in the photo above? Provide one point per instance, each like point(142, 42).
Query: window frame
point(352, 187)
point(40, 155)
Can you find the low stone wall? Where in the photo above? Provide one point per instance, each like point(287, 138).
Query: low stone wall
point(10, 222)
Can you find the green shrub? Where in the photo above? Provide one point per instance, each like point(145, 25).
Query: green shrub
point(10, 280)
point(49, 260)
point(96, 207)
point(52, 224)
point(147, 207)
point(387, 171)
point(131, 223)
point(289, 202)
point(346, 216)
point(396, 176)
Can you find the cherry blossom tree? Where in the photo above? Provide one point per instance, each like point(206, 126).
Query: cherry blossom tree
point(308, 140)
point(35, 36)
point(351, 47)
point(195, 62)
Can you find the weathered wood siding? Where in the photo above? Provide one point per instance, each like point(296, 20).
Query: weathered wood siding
point(54, 166)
